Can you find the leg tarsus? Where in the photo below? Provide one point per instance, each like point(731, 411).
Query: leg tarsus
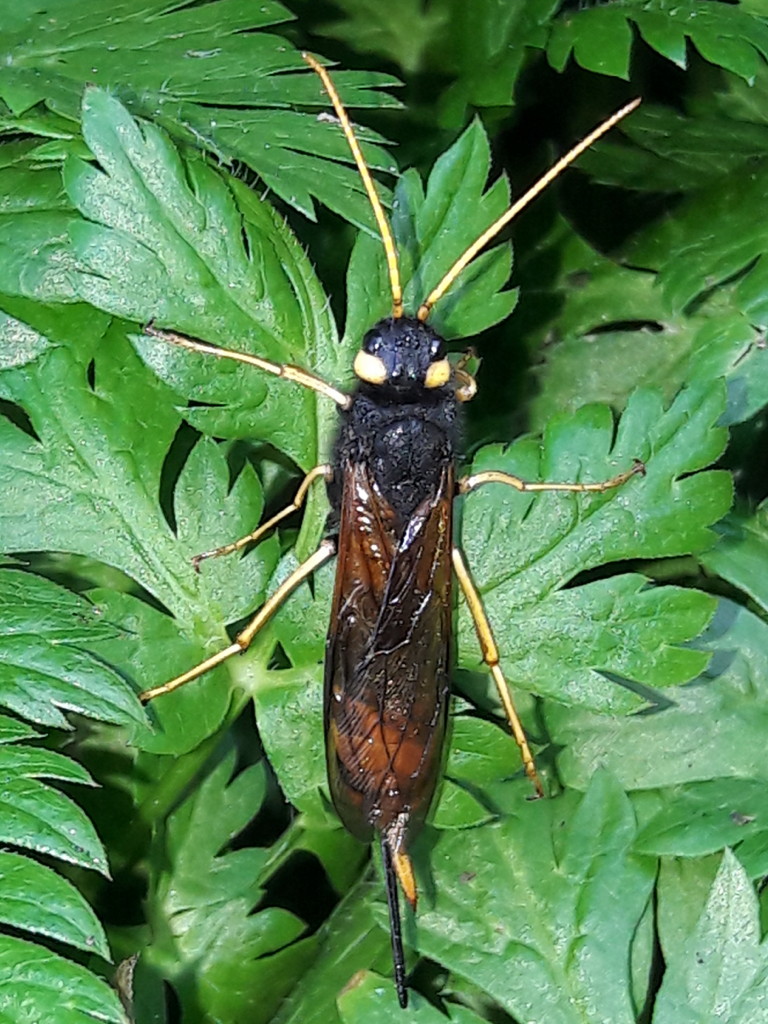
point(495, 476)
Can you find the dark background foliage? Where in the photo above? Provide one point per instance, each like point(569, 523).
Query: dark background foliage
point(176, 162)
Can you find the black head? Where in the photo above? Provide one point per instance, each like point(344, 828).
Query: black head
point(404, 355)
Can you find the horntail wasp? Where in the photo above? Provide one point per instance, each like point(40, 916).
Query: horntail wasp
point(391, 487)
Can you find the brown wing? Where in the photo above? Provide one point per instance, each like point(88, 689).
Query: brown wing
point(387, 686)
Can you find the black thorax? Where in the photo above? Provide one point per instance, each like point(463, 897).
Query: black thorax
point(404, 444)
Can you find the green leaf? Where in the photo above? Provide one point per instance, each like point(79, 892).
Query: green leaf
point(720, 970)
point(231, 97)
point(101, 457)
point(402, 31)
point(11, 731)
point(33, 898)
point(566, 644)
point(524, 927)
point(682, 891)
point(715, 728)
point(43, 667)
point(739, 554)
point(705, 817)
point(207, 509)
point(39, 818)
point(675, 152)
point(109, 505)
point(600, 38)
point(618, 331)
point(36, 985)
point(31, 327)
point(350, 942)
point(34, 763)
point(479, 52)
point(93, 494)
point(211, 892)
point(21, 343)
point(149, 646)
point(181, 246)
point(432, 230)
point(479, 755)
point(370, 998)
point(289, 710)
point(717, 239)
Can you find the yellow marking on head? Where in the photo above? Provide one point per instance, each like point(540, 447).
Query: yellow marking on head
point(438, 373)
point(369, 368)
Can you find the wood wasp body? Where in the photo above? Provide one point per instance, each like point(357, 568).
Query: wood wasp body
point(391, 485)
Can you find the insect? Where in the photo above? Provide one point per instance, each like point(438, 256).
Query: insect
point(391, 485)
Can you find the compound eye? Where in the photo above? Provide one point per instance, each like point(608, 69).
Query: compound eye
point(372, 341)
point(369, 368)
point(437, 351)
point(438, 373)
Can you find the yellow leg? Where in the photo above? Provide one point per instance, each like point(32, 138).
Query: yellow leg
point(493, 476)
point(491, 659)
point(243, 639)
point(325, 471)
point(285, 370)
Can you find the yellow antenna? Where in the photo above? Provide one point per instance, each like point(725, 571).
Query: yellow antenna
point(370, 188)
point(522, 202)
